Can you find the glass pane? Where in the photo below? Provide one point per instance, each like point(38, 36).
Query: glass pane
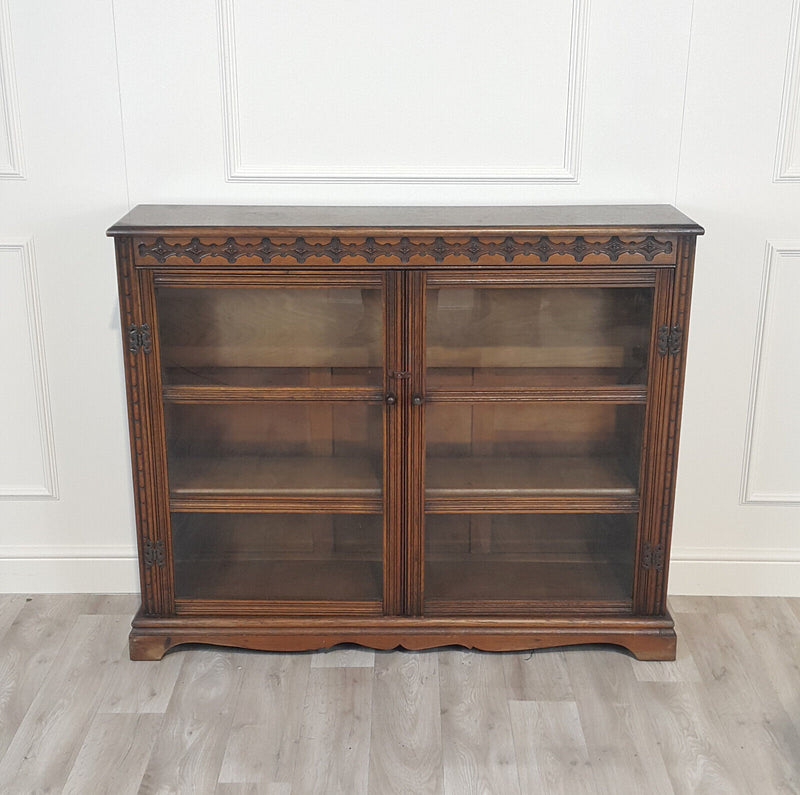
point(535, 448)
point(479, 557)
point(275, 448)
point(271, 337)
point(304, 557)
point(537, 336)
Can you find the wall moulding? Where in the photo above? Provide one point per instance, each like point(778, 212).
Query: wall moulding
point(48, 487)
point(778, 256)
point(11, 164)
point(787, 156)
point(239, 169)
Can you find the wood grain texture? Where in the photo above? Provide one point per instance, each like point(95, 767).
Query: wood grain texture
point(10, 605)
point(616, 736)
point(746, 703)
point(543, 678)
point(406, 741)
point(114, 754)
point(142, 687)
point(263, 740)
point(29, 648)
point(242, 723)
point(46, 742)
point(333, 751)
point(686, 729)
point(550, 748)
point(155, 217)
point(189, 753)
point(477, 744)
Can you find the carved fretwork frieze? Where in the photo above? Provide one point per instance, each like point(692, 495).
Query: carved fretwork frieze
point(405, 248)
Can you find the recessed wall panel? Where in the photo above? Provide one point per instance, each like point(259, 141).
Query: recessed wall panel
point(27, 461)
point(410, 90)
point(772, 465)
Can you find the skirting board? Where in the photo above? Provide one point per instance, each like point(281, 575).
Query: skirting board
point(696, 572)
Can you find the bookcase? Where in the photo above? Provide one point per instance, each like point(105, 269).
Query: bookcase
point(404, 426)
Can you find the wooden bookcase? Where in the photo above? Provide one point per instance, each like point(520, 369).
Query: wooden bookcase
point(404, 426)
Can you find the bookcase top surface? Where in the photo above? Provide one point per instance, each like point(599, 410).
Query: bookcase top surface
point(632, 218)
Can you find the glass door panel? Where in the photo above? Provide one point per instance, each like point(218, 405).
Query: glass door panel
point(532, 449)
point(278, 557)
point(537, 336)
point(263, 337)
point(274, 426)
point(486, 557)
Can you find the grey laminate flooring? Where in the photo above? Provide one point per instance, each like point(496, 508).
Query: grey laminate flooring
point(77, 716)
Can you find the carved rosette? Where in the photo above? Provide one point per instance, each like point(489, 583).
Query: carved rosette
point(405, 248)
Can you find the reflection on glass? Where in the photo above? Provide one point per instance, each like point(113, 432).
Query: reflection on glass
point(271, 336)
point(266, 557)
point(528, 557)
point(275, 448)
point(537, 336)
point(548, 447)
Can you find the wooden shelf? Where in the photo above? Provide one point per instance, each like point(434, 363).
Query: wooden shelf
point(256, 483)
point(483, 578)
point(285, 580)
point(240, 394)
point(290, 483)
point(605, 394)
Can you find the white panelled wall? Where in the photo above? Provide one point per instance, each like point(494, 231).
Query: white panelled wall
point(110, 103)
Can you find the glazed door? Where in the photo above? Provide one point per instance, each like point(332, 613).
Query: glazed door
point(274, 418)
point(535, 397)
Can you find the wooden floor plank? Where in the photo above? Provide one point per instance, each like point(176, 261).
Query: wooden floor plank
point(50, 735)
point(746, 703)
point(774, 632)
point(333, 754)
point(265, 732)
point(406, 743)
point(10, 605)
point(189, 748)
point(620, 746)
point(143, 686)
point(29, 648)
point(550, 748)
point(538, 675)
point(77, 716)
point(122, 604)
point(114, 755)
point(343, 657)
point(693, 745)
point(794, 606)
point(253, 789)
point(477, 745)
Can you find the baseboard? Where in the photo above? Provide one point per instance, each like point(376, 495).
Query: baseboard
point(68, 569)
point(113, 569)
point(706, 571)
